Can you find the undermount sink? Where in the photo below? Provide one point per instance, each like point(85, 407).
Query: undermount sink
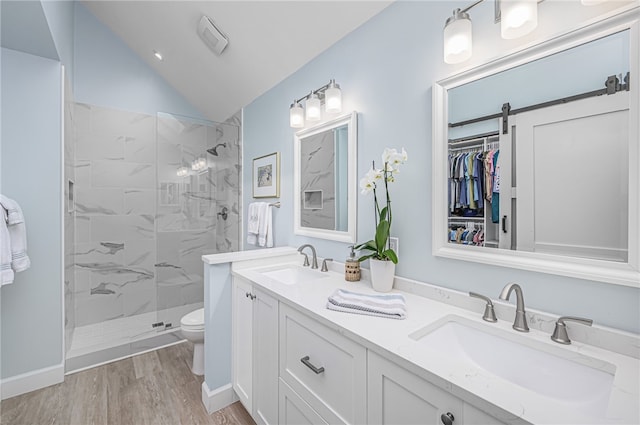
point(550, 371)
point(290, 275)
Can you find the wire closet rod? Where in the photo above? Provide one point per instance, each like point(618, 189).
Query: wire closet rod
point(612, 86)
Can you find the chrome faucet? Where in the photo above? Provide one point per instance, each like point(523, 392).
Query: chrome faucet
point(560, 334)
point(520, 323)
point(314, 259)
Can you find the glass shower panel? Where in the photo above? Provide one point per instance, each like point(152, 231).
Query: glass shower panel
point(198, 198)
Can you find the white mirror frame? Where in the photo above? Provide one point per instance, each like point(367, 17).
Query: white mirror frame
point(351, 120)
point(627, 274)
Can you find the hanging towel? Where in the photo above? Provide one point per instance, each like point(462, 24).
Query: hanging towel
point(392, 306)
point(265, 228)
point(253, 223)
point(260, 225)
point(6, 273)
point(17, 235)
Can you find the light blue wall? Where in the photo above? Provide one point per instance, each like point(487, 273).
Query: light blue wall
point(60, 17)
point(386, 69)
point(31, 175)
point(108, 73)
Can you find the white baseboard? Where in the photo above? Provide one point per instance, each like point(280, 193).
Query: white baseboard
point(219, 398)
point(32, 381)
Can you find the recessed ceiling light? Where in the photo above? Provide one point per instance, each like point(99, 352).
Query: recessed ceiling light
point(157, 54)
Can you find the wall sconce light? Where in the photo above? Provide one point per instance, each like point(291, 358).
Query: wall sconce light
point(312, 107)
point(516, 17)
point(457, 37)
point(199, 164)
point(330, 94)
point(182, 172)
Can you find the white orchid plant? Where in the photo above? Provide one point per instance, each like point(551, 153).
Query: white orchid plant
point(379, 247)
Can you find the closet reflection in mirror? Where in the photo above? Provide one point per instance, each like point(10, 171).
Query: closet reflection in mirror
point(555, 178)
point(324, 180)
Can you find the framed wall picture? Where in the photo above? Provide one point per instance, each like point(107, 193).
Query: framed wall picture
point(266, 176)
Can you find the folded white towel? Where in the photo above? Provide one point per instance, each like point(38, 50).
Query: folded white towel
point(392, 306)
point(17, 234)
point(6, 273)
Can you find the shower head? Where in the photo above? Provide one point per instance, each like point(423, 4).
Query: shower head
point(214, 150)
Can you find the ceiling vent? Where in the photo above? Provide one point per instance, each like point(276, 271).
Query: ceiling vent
point(211, 35)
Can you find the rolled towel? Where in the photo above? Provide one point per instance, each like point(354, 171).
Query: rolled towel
point(392, 306)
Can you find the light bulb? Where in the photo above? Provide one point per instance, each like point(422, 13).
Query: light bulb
point(296, 115)
point(333, 98)
point(518, 17)
point(182, 172)
point(457, 38)
point(312, 106)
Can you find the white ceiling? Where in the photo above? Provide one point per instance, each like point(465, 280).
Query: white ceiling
point(268, 41)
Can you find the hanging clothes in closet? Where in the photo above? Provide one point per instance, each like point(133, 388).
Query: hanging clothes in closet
point(472, 176)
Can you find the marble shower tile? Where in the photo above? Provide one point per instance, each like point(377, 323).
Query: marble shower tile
point(82, 228)
point(139, 175)
point(140, 253)
point(82, 117)
point(92, 146)
point(122, 227)
point(139, 150)
point(108, 173)
point(193, 292)
point(98, 308)
point(112, 121)
point(82, 171)
point(99, 253)
point(99, 201)
point(140, 298)
point(139, 201)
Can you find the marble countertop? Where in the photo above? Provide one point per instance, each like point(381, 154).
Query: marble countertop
point(506, 401)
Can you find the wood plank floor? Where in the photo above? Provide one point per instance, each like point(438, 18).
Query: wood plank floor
point(154, 388)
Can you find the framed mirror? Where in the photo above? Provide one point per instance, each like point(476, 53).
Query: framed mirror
point(325, 185)
point(536, 157)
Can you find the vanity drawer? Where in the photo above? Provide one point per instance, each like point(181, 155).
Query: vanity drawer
point(336, 389)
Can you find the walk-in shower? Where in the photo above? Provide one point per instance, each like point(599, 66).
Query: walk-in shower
point(153, 194)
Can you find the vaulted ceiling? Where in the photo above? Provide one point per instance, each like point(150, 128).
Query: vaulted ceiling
point(268, 41)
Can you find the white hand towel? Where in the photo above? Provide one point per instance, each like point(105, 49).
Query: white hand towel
point(392, 306)
point(264, 228)
point(6, 274)
point(253, 222)
point(17, 234)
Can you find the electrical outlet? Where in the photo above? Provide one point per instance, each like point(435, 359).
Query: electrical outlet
point(394, 243)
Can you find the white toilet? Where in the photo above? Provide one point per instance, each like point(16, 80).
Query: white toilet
point(192, 328)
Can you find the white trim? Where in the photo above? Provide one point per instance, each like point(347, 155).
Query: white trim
point(241, 188)
point(32, 381)
point(627, 274)
point(63, 213)
point(214, 400)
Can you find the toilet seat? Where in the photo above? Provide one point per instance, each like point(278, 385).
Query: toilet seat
point(193, 321)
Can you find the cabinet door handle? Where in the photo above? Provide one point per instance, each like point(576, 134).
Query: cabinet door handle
point(504, 224)
point(447, 418)
point(307, 363)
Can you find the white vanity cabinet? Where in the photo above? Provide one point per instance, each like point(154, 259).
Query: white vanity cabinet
point(324, 369)
point(398, 397)
point(255, 350)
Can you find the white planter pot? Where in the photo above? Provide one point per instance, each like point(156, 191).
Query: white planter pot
point(382, 274)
